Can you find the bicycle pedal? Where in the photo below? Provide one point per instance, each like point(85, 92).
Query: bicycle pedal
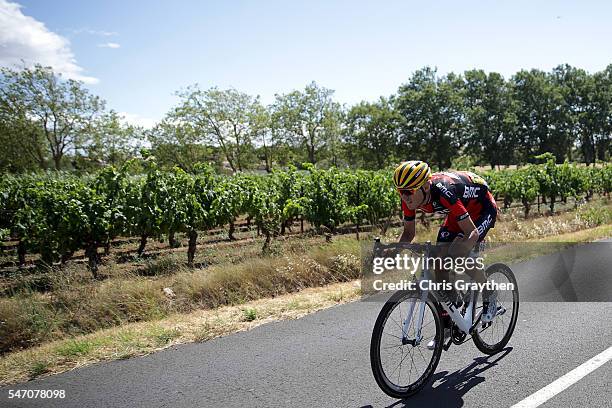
point(500, 311)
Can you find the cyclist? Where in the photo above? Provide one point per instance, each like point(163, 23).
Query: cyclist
point(471, 210)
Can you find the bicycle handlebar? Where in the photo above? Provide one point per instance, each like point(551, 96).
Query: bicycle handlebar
point(419, 248)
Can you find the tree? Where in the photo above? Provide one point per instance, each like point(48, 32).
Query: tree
point(223, 117)
point(21, 144)
point(373, 129)
point(575, 86)
point(432, 117)
point(490, 117)
point(603, 113)
point(114, 142)
point(541, 118)
point(308, 119)
point(263, 133)
point(177, 144)
point(63, 111)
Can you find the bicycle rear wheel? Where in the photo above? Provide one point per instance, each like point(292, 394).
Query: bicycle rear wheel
point(402, 368)
point(492, 338)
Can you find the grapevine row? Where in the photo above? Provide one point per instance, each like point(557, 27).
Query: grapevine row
point(57, 214)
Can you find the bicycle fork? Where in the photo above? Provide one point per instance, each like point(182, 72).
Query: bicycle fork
point(419, 321)
point(418, 324)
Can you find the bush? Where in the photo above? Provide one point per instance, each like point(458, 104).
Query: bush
point(594, 216)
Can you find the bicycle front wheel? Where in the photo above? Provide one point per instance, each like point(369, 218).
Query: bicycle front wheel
point(493, 337)
point(401, 363)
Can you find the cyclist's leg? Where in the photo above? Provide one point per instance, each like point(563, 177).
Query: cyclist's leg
point(483, 222)
point(447, 233)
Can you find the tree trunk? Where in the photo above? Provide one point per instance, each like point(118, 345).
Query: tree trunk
point(172, 240)
point(507, 202)
point(301, 216)
point(107, 246)
point(527, 207)
point(143, 243)
point(232, 229)
point(552, 204)
point(193, 237)
point(21, 253)
point(57, 160)
point(266, 246)
point(93, 258)
point(385, 225)
point(66, 257)
point(311, 154)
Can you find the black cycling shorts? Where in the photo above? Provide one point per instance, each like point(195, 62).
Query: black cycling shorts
point(484, 222)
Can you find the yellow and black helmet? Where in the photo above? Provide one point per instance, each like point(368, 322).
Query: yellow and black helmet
point(411, 175)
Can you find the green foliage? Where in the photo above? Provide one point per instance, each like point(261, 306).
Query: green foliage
point(432, 109)
point(249, 314)
point(373, 129)
point(308, 119)
point(594, 216)
point(56, 214)
point(46, 115)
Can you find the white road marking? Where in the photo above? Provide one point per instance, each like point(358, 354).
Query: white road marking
point(560, 384)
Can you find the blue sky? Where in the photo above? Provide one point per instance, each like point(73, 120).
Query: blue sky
point(136, 54)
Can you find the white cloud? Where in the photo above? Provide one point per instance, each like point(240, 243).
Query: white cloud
point(109, 45)
point(23, 38)
point(94, 32)
point(137, 120)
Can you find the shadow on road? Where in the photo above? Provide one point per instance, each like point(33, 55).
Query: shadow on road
point(447, 389)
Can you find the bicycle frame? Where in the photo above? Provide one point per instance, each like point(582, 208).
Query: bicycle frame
point(463, 321)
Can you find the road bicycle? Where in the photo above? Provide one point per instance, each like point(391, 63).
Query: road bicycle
point(402, 363)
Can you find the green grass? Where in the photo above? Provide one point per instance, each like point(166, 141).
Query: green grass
point(38, 368)
point(75, 348)
point(336, 297)
point(594, 216)
point(249, 314)
point(163, 336)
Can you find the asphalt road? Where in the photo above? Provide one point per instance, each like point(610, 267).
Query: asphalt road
point(323, 360)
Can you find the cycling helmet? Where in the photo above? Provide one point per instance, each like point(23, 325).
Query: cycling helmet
point(411, 175)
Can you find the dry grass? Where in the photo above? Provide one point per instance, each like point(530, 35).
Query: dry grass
point(136, 339)
point(74, 308)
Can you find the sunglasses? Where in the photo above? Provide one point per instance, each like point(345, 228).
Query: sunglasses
point(406, 192)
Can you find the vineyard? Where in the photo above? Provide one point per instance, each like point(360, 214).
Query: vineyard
point(57, 214)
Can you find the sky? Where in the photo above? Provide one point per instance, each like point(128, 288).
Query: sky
point(136, 54)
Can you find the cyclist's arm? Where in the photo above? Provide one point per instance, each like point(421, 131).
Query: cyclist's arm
point(470, 233)
point(462, 245)
point(409, 224)
point(409, 231)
